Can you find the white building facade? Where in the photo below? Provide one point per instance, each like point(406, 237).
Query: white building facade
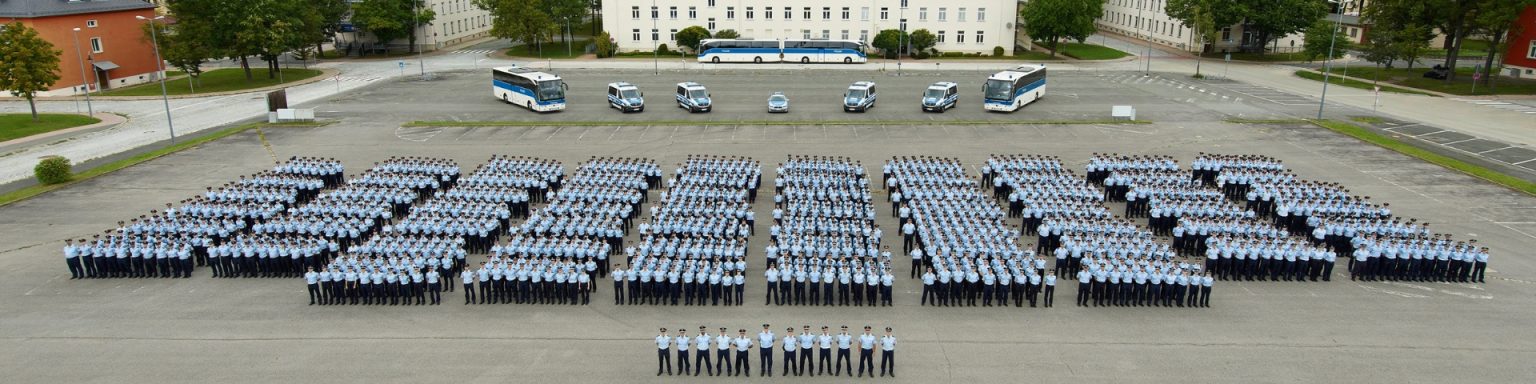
point(1146, 19)
point(455, 22)
point(970, 26)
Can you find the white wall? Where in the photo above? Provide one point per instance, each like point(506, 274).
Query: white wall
point(993, 19)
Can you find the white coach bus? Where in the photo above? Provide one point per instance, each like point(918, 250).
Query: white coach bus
point(803, 51)
point(537, 91)
point(1007, 91)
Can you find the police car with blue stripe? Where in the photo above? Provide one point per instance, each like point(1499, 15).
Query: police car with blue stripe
point(693, 97)
point(860, 97)
point(626, 97)
point(941, 96)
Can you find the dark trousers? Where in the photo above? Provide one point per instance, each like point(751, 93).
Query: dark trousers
point(314, 292)
point(843, 360)
point(618, 293)
point(701, 360)
point(469, 293)
point(723, 362)
point(75, 271)
point(1050, 295)
point(663, 360)
point(682, 361)
point(866, 359)
point(823, 361)
point(791, 365)
point(805, 361)
point(743, 365)
point(765, 361)
point(887, 362)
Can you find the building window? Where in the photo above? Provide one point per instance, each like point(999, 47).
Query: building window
point(864, 13)
point(960, 16)
point(730, 13)
point(1530, 52)
point(693, 13)
point(711, 3)
point(711, 25)
point(750, 13)
point(826, 13)
point(96, 45)
point(789, 13)
point(807, 14)
point(943, 13)
point(634, 12)
point(845, 34)
point(1353, 32)
point(768, 13)
point(673, 36)
point(672, 12)
point(846, 14)
point(826, 34)
point(980, 38)
point(655, 35)
point(959, 37)
point(922, 14)
point(1226, 34)
point(655, 12)
point(805, 34)
point(981, 14)
point(90, 23)
point(941, 37)
point(885, 13)
point(637, 35)
point(864, 35)
point(903, 3)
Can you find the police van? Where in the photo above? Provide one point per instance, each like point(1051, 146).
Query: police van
point(941, 96)
point(693, 97)
point(859, 97)
point(625, 97)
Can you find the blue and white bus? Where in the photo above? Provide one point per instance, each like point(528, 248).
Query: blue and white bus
point(803, 51)
point(537, 91)
point(1007, 91)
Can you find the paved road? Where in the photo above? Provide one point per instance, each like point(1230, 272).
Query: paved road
point(258, 330)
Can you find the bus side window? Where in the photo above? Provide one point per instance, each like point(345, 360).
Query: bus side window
point(613, 91)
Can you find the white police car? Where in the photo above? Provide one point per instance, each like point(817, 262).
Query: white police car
point(941, 96)
point(859, 97)
point(693, 97)
point(625, 97)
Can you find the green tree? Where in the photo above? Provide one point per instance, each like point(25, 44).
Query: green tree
point(690, 37)
point(1400, 30)
point(388, 20)
point(1322, 39)
point(604, 45)
point(566, 12)
point(329, 14)
point(1266, 19)
point(28, 64)
point(1495, 21)
point(1053, 20)
point(727, 34)
point(922, 40)
point(889, 42)
point(184, 51)
point(525, 21)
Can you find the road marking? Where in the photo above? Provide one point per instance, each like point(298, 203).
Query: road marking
point(1459, 141)
point(1392, 292)
point(1495, 149)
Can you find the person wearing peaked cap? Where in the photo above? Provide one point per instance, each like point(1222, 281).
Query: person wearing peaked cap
point(887, 353)
point(663, 352)
point(683, 342)
point(743, 365)
point(867, 352)
point(765, 352)
point(723, 344)
point(701, 352)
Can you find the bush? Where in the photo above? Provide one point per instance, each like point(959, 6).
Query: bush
point(997, 51)
point(662, 49)
point(954, 54)
point(919, 55)
point(52, 170)
point(605, 46)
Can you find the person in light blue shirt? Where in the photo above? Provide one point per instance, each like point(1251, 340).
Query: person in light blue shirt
point(663, 352)
point(765, 341)
point(701, 352)
point(866, 352)
point(844, 345)
point(683, 342)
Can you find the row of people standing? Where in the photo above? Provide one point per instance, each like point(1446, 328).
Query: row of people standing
point(799, 355)
point(824, 244)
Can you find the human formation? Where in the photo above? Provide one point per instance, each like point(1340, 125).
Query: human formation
point(824, 244)
point(693, 248)
point(807, 352)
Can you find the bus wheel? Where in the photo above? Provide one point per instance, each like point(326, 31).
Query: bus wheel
point(805, 60)
point(847, 60)
point(758, 60)
point(715, 60)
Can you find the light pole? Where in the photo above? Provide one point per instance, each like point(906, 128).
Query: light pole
point(656, 40)
point(1328, 65)
point(416, 30)
point(160, 64)
point(88, 109)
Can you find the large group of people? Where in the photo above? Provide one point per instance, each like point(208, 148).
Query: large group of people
point(692, 250)
point(806, 353)
point(824, 244)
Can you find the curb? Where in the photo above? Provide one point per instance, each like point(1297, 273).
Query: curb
point(1436, 93)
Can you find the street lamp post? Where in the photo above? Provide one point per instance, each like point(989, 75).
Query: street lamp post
point(1328, 65)
point(656, 40)
point(88, 109)
point(416, 27)
point(160, 64)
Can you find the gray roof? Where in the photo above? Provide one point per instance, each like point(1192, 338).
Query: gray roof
point(24, 9)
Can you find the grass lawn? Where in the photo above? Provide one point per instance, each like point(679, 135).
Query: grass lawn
point(1318, 76)
point(552, 50)
point(1372, 137)
point(1461, 86)
point(1261, 57)
point(19, 125)
point(1083, 51)
point(1469, 48)
point(218, 80)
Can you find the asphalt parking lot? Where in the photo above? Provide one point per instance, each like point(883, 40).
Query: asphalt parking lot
point(259, 330)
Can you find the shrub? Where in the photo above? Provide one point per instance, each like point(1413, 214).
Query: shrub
point(997, 51)
point(954, 54)
point(662, 49)
point(52, 170)
point(919, 55)
point(605, 46)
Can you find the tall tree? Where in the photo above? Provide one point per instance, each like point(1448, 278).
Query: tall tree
point(1323, 39)
point(185, 51)
point(28, 64)
point(1400, 30)
point(525, 21)
point(922, 40)
point(690, 37)
point(566, 12)
point(889, 42)
point(1495, 22)
point(388, 20)
point(1053, 20)
point(329, 13)
point(1266, 20)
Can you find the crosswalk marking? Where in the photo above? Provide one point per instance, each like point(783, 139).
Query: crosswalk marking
point(474, 51)
point(1504, 105)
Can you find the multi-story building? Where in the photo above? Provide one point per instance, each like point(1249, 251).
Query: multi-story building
point(1520, 54)
point(110, 45)
point(1147, 20)
point(972, 26)
point(456, 21)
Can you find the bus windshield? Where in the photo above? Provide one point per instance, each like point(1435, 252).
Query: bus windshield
point(551, 90)
point(999, 89)
point(933, 94)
